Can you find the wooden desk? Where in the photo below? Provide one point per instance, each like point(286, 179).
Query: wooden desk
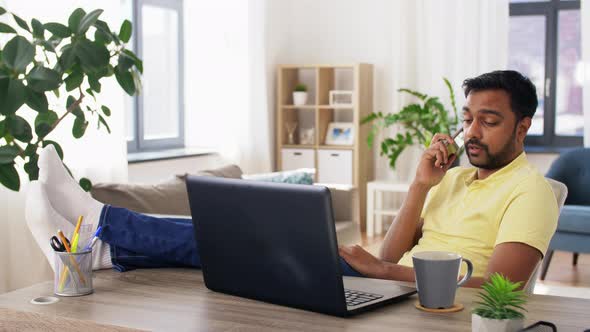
point(177, 299)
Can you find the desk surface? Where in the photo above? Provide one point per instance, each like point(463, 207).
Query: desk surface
point(177, 299)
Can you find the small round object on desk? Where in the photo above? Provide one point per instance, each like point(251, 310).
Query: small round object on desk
point(455, 308)
point(44, 300)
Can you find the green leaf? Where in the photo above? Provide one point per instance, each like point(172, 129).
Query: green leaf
point(85, 184)
point(48, 46)
point(43, 79)
point(88, 20)
point(5, 28)
point(414, 93)
point(74, 80)
point(12, 95)
point(18, 53)
point(2, 128)
point(79, 127)
point(58, 29)
point(90, 92)
point(8, 153)
point(101, 37)
point(21, 23)
point(106, 71)
point(125, 62)
point(19, 128)
point(30, 150)
point(76, 111)
point(136, 60)
point(58, 149)
point(104, 122)
point(36, 100)
point(92, 56)
point(44, 123)
point(103, 27)
point(75, 18)
point(94, 83)
point(125, 80)
point(2, 11)
point(125, 31)
point(38, 30)
point(32, 168)
point(67, 58)
point(9, 177)
point(106, 110)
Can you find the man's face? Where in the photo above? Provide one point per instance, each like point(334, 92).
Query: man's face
point(492, 137)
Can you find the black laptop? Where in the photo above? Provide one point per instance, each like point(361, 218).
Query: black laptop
point(276, 243)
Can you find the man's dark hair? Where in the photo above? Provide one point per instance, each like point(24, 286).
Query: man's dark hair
point(522, 92)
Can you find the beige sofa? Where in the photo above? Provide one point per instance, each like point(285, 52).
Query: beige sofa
point(170, 198)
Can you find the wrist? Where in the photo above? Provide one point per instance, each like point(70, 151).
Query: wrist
point(393, 271)
point(420, 187)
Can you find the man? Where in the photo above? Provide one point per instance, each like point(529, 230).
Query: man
point(501, 214)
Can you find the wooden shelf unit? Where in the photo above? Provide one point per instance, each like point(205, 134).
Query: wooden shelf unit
point(356, 159)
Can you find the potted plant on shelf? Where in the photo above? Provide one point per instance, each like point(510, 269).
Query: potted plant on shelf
point(420, 120)
point(66, 60)
point(300, 94)
point(501, 306)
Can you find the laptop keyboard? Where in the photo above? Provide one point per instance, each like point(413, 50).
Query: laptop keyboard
point(354, 298)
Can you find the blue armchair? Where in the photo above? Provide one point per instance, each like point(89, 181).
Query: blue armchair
point(573, 230)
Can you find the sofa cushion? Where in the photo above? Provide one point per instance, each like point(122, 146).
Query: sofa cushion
point(168, 197)
point(574, 219)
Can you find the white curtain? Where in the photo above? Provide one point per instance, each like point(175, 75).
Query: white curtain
point(98, 155)
point(226, 86)
point(433, 39)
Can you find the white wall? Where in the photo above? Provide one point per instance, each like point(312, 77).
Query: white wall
point(98, 156)
point(332, 32)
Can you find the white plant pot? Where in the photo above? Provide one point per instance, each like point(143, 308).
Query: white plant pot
point(480, 324)
point(299, 98)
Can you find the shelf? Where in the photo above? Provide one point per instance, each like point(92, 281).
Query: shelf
point(336, 107)
point(350, 165)
point(335, 147)
point(292, 107)
point(298, 146)
point(344, 66)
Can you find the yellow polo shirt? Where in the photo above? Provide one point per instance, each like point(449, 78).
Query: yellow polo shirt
point(470, 216)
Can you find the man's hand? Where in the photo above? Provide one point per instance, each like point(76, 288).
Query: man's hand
point(363, 261)
point(434, 162)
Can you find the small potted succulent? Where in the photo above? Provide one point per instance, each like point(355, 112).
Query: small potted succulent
point(501, 306)
point(300, 94)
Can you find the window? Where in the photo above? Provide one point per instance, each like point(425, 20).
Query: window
point(545, 45)
point(155, 121)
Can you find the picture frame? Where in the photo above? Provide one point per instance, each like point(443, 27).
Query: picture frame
point(340, 133)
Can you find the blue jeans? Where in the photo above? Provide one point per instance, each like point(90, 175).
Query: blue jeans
point(141, 241)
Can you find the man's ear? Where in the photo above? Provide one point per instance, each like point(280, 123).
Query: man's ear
point(523, 127)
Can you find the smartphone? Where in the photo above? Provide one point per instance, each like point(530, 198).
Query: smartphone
point(459, 142)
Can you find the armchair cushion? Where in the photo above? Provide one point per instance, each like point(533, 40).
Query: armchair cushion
point(574, 219)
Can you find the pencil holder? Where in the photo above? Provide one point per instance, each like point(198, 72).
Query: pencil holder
point(73, 273)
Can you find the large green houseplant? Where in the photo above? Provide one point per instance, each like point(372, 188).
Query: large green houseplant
point(420, 120)
point(53, 58)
